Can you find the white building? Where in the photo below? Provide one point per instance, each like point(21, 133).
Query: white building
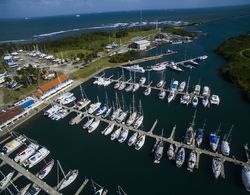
point(140, 44)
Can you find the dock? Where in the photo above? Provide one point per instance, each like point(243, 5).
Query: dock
point(169, 140)
point(82, 186)
point(44, 186)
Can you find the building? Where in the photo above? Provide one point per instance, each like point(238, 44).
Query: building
point(140, 44)
point(9, 114)
point(53, 86)
point(8, 60)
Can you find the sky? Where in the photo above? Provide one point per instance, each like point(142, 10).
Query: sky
point(31, 8)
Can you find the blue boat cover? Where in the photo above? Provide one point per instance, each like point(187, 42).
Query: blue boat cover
point(213, 138)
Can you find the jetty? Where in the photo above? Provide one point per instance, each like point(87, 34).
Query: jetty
point(170, 139)
point(44, 186)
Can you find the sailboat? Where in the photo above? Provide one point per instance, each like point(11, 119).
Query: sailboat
point(133, 139)
point(170, 152)
point(123, 84)
point(189, 136)
point(108, 129)
point(140, 117)
point(83, 102)
point(173, 89)
point(109, 107)
point(97, 189)
point(200, 134)
point(225, 147)
point(185, 99)
point(68, 178)
point(148, 88)
point(133, 115)
point(118, 109)
point(214, 139)
point(130, 87)
point(192, 161)
point(136, 85)
point(123, 114)
point(159, 150)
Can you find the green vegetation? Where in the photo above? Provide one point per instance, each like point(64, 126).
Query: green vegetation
point(125, 57)
point(179, 31)
point(236, 51)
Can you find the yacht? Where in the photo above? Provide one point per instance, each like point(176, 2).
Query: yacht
point(93, 126)
point(205, 91)
point(195, 101)
point(147, 91)
point(13, 144)
point(26, 153)
point(159, 66)
point(132, 139)
point(116, 133)
point(171, 96)
point(182, 86)
point(189, 136)
point(4, 182)
point(101, 110)
point(131, 118)
point(108, 129)
point(123, 136)
point(185, 99)
point(170, 152)
point(129, 88)
point(88, 123)
point(93, 107)
point(33, 190)
point(216, 167)
point(174, 66)
point(138, 122)
point(203, 57)
point(68, 179)
point(174, 86)
point(36, 158)
point(225, 147)
point(122, 86)
point(116, 114)
point(24, 189)
point(140, 142)
point(142, 81)
point(162, 94)
point(192, 161)
point(180, 157)
point(214, 99)
point(68, 100)
point(136, 87)
point(158, 152)
point(107, 113)
point(197, 89)
point(214, 140)
point(135, 68)
point(81, 104)
point(199, 136)
point(122, 117)
point(245, 176)
point(205, 101)
point(45, 170)
point(117, 85)
point(160, 84)
point(64, 96)
point(52, 110)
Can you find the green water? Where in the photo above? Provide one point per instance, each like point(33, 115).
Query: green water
point(111, 164)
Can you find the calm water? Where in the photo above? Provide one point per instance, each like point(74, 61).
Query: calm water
point(111, 163)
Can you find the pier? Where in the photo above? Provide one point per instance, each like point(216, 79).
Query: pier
point(82, 186)
point(169, 139)
point(44, 186)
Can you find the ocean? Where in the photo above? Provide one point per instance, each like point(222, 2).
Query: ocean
point(110, 163)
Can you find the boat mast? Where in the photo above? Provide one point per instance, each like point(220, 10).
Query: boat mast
point(187, 84)
point(121, 191)
point(81, 91)
point(123, 103)
point(140, 108)
point(59, 165)
point(228, 135)
point(194, 116)
point(133, 104)
point(218, 130)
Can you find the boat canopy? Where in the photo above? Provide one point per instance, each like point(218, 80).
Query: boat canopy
point(213, 138)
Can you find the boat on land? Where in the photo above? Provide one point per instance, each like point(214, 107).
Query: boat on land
point(225, 147)
point(170, 152)
point(180, 157)
point(214, 139)
point(133, 139)
point(192, 161)
point(4, 182)
point(45, 170)
point(36, 158)
point(26, 153)
point(135, 68)
point(216, 167)
point(93, 126)
point(13, 144)
point(116, 133)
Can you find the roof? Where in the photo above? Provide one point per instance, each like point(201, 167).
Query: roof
point(38, 94)
point(7, 57)
point(51, 84)
point(10, 113)
point(141, 42)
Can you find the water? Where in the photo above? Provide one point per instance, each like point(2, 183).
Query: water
point(110, 163)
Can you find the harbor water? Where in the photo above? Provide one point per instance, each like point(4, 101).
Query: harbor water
point(110, 163)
